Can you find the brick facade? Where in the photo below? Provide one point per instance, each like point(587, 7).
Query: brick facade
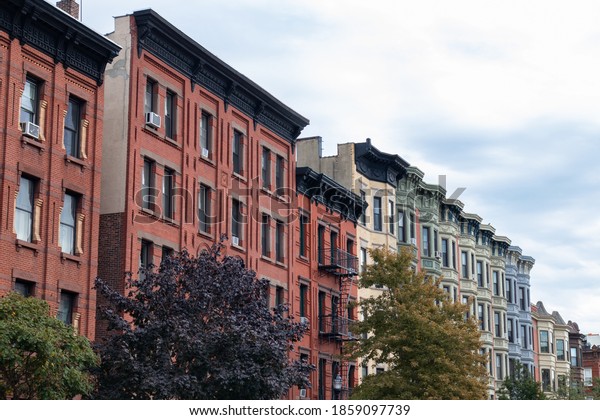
point(45, 92)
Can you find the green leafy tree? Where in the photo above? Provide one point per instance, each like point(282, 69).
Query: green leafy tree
point(40, 356)
point(413, 326)
point(521, 386)
point(198, 328)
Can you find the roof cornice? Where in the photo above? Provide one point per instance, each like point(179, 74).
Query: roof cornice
point(57, 34)
point(160, 38)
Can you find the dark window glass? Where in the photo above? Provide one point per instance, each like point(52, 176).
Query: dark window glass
point(29, 102)
point(170, 114)
point(377, 222)
point(72, 129)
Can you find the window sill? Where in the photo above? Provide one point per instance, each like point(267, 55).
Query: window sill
point(238, 247)
point(284, 198)
point(281, 264)
point(149, 213)
point(266, 191)
point(76, 161)
point(31, 141)
point(208, 159)
point(155, 133)
point(75, 258)
point(30, 245)
point(206, 235)
point(170, 221)
point(239, 176)
point(267, 259)
point(303, 258)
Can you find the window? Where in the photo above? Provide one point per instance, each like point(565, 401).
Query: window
point(279, 241)
point(379, 370)
point(546, 380)
point(303, 299)
point(377, 213)
point(266, 168)
point(363, 259)
point(205, 135)
point(72, 130)
point(480, 316)
point(522, 303)
point(145, 257)
point(463, 259)
point(365, 370)
point(236, 221)
point(499, 367)
point(148, 185)
point(574, 357)
point(363, 216)
point(496, 283)
point(587, 377)
point(391, 220)
point(66, 307)
point(166, 252)
point(266, 235)
point(509, 327)
point(24, 288)
point(560, 349)
point(168, 194)
point(425, 241)
point(321, 244)
point(68, 216)
point(412, 228)
point(509, 294)
point(279, 175)
point(321, 309)
point(29, 102)
point(445, 253)
point(238, 153)
point(497, 325)
point(322, 376)
point(303, 223)
point(279, 295)
point(544, 344)
point(523, 338)
point(453, 255)
point(401, 233)
point(170, 114)
point(333, 239)
point(150, 96)
point(479, 273)
point(204, 208)
point(23, 223)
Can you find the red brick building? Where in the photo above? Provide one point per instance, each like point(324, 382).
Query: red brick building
point(51, 102)
point(325, 270)
point(197, 150)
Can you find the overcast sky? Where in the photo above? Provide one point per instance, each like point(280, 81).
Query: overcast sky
point(502, 97)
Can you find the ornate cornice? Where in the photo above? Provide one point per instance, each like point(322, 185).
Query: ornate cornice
point(58, 35)
point(324, 190)
point(377, 165)
point(165, 41)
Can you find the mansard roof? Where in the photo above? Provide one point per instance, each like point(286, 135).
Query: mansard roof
point(322, 189)
point(377, 165)
point(159, 37)
point(57, 34)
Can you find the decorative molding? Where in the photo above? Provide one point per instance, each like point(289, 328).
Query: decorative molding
point(41, 25)
point(165, 41)
point(377, 165)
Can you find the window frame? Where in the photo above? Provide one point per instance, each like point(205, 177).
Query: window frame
point(73, 145)
point(168, 193)
point(28, 214)
point(265, 166)
point(265, 240)
point(65, 226)
point(237, 151)
point(205, 133)
point(377, 215)
point(33, 114)
point(68, 299)
point(204, 208)
point(170, 114)
point(279, 174)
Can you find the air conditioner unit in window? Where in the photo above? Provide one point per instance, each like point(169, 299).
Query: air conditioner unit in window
point(438, 255)
point(30, 129)
point(413, 241)
point(153, 119)
point(303, 320)
point(302, 392)
point(204, 153)
point(235, 240)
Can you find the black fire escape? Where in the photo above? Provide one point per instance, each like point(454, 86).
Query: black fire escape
point(336, 326)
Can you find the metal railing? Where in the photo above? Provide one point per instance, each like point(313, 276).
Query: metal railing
point(338, 260)
point(336, 327)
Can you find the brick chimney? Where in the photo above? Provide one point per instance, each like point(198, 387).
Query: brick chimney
point(69, 6)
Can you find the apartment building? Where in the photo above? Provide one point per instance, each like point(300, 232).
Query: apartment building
point(372, 175)
point(52, 103)
point(325, 270)
point(198, 151)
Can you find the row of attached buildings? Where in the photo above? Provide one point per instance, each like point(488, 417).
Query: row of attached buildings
point(119, 150)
